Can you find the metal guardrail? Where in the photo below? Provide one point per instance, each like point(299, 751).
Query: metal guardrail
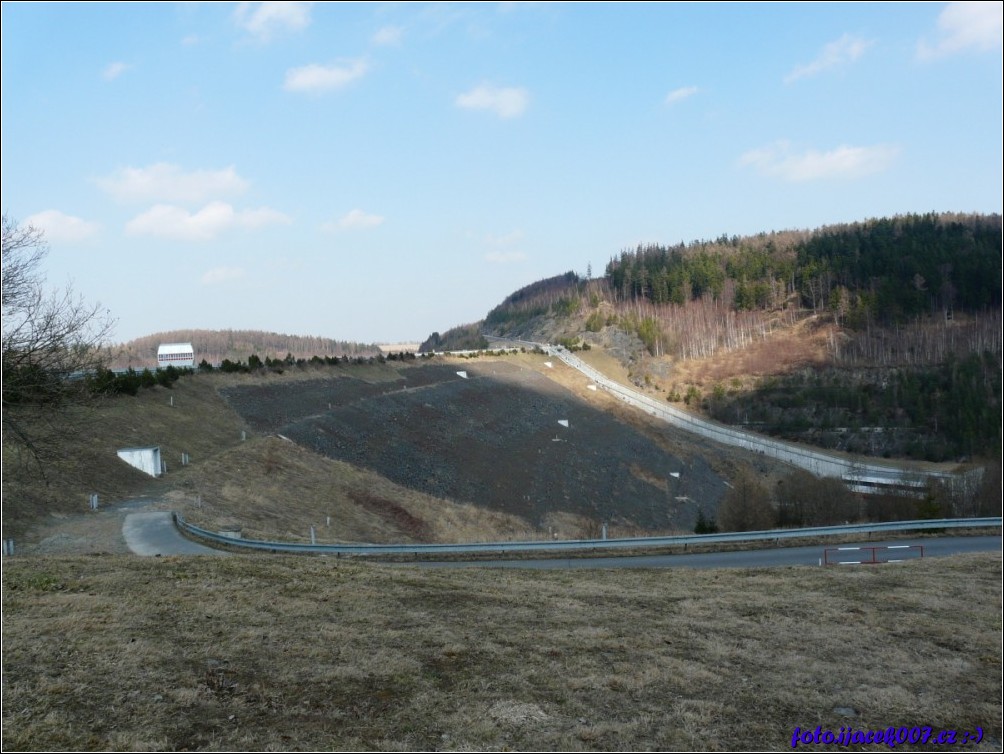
point(587, 544)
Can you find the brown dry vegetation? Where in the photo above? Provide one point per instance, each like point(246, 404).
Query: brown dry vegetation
point(199, 423)
point(804, 344)
point(287, 653)
point(276, 489)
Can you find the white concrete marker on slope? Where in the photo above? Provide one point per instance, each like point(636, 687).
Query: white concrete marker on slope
point(563, 422)
point(462, 374)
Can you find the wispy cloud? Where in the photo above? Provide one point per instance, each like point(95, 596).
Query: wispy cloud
point(219, 275)
point(113, 70)
point(264, 20)
point(165, 182)
point(60, 227)
point(503, 251)
point(678, 95)
point(388, 36)
point(355, 220)
point(321, 78)
point(836, 54)
point(506, 102)
point(962, 27)
point(505, 257)
point(168, 221)
point(780, 160)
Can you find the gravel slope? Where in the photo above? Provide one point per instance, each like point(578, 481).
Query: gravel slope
point(493, 439)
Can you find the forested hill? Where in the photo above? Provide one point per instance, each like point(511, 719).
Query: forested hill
point(216, 345)
point(881, 271)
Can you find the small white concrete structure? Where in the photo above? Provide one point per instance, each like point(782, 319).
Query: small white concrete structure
point(563, 422)
point(180, 355)
point(462, 374)
point(146, 460)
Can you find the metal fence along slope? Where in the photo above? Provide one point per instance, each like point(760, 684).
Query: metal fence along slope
point(859, 475)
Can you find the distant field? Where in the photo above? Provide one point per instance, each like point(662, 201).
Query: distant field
point(289, 653)
point(398, 347)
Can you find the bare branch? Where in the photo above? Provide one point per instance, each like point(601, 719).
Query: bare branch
point(50, 342)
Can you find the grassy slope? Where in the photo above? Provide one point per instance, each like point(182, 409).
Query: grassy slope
point(275, 489)
point(313, 654)
point(199, 423)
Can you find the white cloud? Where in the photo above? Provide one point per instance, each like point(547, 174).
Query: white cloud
point(168, 221)
point(843, 51)
point(505, 257)
point(222, 275)
point(191, 40)
point(169, 183)
point(62, 227)
point(503, 252)
point(113, 70)
point(319, 78)
point(388, 36)
point(506, 102)
point(514, 236)
point(965, 26)
point(678, 95)
point(779, 160)
point(355, 220)
point(264, 20)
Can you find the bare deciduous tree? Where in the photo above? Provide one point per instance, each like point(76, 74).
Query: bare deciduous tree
point(51, 340)
point(806, 500)
point(746, 506)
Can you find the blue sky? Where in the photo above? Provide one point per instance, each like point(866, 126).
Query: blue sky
point(375, 172)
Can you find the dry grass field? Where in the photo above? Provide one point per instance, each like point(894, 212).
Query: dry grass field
point(289, 653)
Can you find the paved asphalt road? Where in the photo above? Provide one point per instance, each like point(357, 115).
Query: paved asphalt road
point(154, 533)
point(782, 556)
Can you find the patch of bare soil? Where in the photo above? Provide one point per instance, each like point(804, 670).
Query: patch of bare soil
point(396, 514)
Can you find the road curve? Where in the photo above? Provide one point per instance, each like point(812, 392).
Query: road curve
point(934, 547)
point(153, 533)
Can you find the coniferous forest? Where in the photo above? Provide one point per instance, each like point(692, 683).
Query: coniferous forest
point(878, 272)
point(914, 359)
